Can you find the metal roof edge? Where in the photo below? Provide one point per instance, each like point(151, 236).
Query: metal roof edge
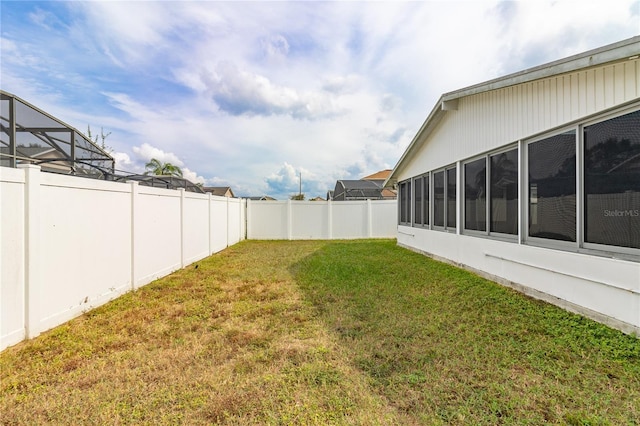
point(432, 119)
point(610, 53)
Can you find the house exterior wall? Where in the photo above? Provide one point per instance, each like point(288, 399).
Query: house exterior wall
point(489, 120)
point(604, 285)
point(602, 288)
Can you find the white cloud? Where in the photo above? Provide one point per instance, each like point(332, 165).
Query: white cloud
point(238, 93)
point(123, 162)
point(146, 152)
point(192, 176)
point(275, 47)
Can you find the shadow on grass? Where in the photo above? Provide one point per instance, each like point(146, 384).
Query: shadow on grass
point(446, 346)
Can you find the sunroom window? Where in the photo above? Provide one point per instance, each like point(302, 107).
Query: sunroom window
point(475, 195)
point(552, 187)
point(504, 192)
point(612, 181)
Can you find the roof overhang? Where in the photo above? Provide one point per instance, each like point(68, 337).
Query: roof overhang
point(616, 52)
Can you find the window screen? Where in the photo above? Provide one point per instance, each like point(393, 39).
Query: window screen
point(504, 192)
point(417, 201)
point(438, 199)
point(552, 187)
point(612, 181)
point(475, 195)
point(451, 198)
point(425, 210)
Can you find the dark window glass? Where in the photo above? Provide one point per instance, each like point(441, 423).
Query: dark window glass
point(552, 187)
point(425, 211)
point(417, 201)
point(438, 199)
point(451, 198)
point(404, 186)
point(504, 192)
point(475, 195)
point(612, 181)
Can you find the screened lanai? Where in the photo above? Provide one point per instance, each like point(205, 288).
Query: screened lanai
point(31, 136)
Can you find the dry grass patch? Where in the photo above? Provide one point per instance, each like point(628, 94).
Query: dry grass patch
point(231, 342)
point(358, 332)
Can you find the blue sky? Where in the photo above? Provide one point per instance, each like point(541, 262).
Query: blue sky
point(251, 94)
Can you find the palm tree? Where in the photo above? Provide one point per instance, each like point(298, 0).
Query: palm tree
point(158, 168)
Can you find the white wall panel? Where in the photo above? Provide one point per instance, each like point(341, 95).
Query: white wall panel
point(218, 220)
point(267, 220)
point(349, 219)
point(321, 220)
point(12, 289)
point(309, 220)
point(384, 219)
point(195, 235)
point(157, 234)
point(85, 245)
point(69, 244)
point(235, 223)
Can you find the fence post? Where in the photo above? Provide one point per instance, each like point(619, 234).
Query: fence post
point(32, 273)
point(247, 218)
point(226, 199)
point(369, 220)
point(289, 220)
point(182, 237)
point(209, 224)
point(330, 219)
point(134, 201)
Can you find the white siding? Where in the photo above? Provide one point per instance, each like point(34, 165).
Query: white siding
point(605, 288)
point(492, 119)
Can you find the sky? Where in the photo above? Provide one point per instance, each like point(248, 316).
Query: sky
point(263, 96)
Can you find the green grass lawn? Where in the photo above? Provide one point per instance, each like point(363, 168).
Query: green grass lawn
point(317, 332)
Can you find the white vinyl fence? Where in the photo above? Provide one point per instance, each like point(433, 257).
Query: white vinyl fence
point(69, 244)
point(318, 220)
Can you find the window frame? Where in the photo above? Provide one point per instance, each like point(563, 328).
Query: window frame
point(548, 242)
point(463, 206)
point(487, 158)
point(445, 211)
point(425, 200)
point(407, 203)
point(579, 246)
point(597, 247)
point(523, 187)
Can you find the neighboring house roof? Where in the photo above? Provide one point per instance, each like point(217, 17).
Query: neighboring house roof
point(222, 191)
point(317, 199)
point(369, 187)
point(389, 193)
point(449, 101)
point(381, 175)
point(262, 198)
